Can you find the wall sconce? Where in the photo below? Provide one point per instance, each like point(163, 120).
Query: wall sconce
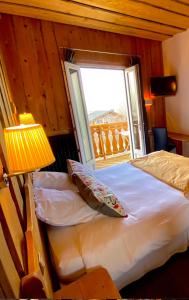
point(26, 118)
point(27, 149)
point(148, 102)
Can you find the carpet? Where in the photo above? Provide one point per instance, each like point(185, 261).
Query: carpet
point(169, 281)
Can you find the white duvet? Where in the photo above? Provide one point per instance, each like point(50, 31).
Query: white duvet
point(157, 226)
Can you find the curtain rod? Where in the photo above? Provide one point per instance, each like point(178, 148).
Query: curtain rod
point(102, 52)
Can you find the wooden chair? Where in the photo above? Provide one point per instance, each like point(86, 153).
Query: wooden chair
point(161, 139)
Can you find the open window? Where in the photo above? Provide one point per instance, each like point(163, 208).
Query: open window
point(79, 114)
point(135, 115)
point(107, 140)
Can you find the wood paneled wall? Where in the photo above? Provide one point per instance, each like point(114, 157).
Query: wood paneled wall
point(31, 57)
point(31, 52)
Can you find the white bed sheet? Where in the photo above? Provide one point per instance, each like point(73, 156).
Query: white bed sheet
point(157, 226)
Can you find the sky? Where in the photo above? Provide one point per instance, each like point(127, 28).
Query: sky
point(104, 89)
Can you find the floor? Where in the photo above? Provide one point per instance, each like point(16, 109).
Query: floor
point(102, 163)
point(169, 281)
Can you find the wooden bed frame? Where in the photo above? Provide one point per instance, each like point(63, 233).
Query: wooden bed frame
point(36, 279)
point(38, 283)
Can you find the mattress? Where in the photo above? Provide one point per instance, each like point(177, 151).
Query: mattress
point(157, 226)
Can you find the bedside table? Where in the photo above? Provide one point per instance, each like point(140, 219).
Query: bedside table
point(95, 284)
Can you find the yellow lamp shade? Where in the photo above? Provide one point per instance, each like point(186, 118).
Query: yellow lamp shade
point(26, 118)
point(27, 148)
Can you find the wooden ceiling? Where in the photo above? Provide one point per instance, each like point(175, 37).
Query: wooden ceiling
point(153, 19)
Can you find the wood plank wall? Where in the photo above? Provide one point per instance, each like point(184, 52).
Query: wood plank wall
point(31, 53)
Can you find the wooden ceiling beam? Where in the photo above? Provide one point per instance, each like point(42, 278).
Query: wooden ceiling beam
point(100, 14)
point(78, 21)
point(183, 1)
point(170, 5)
point(141, 10)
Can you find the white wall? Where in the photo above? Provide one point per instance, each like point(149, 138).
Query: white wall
point(176, 62)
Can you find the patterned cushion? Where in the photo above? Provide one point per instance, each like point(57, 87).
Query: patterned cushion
point(75, 167)
point(99, 196)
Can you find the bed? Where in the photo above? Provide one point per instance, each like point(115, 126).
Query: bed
point(156, 227)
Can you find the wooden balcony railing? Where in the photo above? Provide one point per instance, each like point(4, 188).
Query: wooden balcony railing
point(109, 139)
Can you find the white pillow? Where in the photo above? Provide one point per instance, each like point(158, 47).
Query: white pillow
point(61, 208)
point(53, 180)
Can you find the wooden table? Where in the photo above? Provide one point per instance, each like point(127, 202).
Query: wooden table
point(178, 138)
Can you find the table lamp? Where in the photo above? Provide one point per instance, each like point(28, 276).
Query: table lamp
point(26, 118)
point(27, 149)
